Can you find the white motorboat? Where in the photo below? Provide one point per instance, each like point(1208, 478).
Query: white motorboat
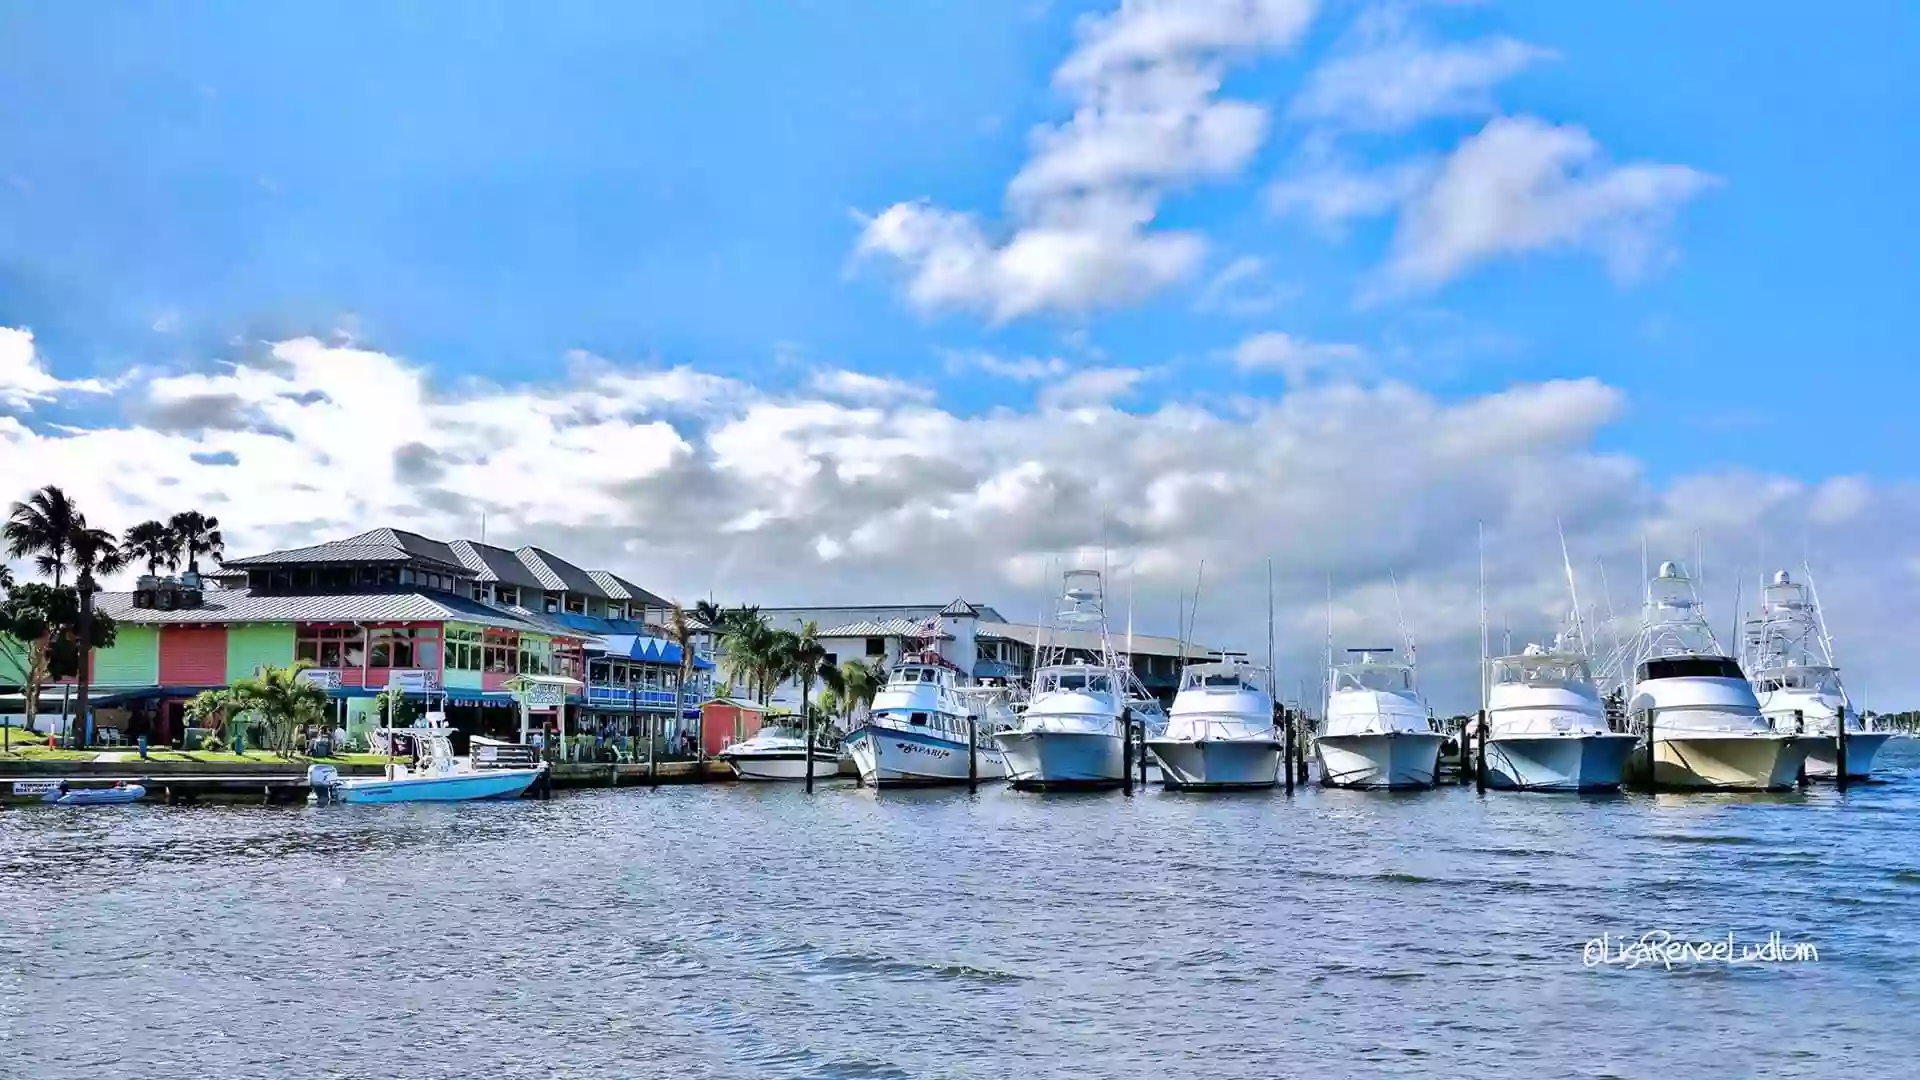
point(1708, 733)
point(1220, 733)
point(1376, 733)
point(778, 753)
point(1790, 661)
point(1072, 732)
point(434, 774)
point(917, 730)
point(1547, 728)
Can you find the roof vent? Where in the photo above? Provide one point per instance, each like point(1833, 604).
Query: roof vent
point(168, 594)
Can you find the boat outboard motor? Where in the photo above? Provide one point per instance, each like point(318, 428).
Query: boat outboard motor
point(320, 783)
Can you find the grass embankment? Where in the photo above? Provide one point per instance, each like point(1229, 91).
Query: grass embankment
point(22, 750)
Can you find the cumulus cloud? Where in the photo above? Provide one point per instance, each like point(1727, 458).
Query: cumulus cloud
point(24, 378)
point(1243, 287)
point(1522, 185)
point(1145, 82)
point(1092, 387)
point(847, 385)
point(1393, 84)
point(1296, 358)
point(698, 485)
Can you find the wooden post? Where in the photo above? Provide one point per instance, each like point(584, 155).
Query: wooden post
point(1800, 728)
point(1840, 747)
point(1143, 757)
point(1301, 726)
point(808, 728)
point(1286, 743)
point(1480, 752)
point(652, 724)
point(973, 753)
point(1126, 751)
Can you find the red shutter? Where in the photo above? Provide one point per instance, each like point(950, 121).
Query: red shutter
point(193, 656)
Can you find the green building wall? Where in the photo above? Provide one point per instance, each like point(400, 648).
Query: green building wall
point(133, 659)
point(453, 678)
point(257, 646)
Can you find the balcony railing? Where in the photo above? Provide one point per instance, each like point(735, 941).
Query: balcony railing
point(610, 696)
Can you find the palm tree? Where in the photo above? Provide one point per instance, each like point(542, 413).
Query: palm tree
point(43, 527)
point(860, 680)
point(151, 542)
point(209, 709)
point(195, 534)
point(745, 647)
point(282, 700)
point(811, 662)
point(715, 616)
point(781, 659)
point(93, 551)
point(680, 631)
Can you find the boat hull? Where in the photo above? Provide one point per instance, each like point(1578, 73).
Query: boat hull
point(115, 796)
point(1062, 760)
point(1724, 762)
point(1217, 763)
point(890, 757)
point(1393, 761)
point(1862, 748)
point(460, 787)
point(1558, 762)
point(784, 765)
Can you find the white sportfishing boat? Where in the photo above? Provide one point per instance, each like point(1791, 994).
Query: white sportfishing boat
point(1220, 733)
point(917, 730)
point(1708, 733)
point(1547, 727)
point(1789, 659)
point(778, 753)
point(1376, 733)
point(1072, 733)
point(433, 775)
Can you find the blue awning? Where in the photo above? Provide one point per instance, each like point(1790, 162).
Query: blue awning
point(648, 649)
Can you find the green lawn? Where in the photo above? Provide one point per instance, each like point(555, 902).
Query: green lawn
point(37, 751)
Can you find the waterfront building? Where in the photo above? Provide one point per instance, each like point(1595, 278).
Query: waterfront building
point(450, 623)
point(976, 639)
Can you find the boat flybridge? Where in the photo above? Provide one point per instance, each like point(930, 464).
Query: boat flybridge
point(1072, 733)
point(918, 727)
point(1376, 733)
point(1708, 732)
point(1547, 728)
point(1220, 732)
point(1789, 659)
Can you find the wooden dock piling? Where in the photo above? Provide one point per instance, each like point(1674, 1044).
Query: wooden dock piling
point(1126, 752)
point(1840, 748)
point(1480, 753)
point(1800, 728)
point(808, 729)
point(973, 753)
point(1285, 720)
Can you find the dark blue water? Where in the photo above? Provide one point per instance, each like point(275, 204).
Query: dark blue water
point(734, 931)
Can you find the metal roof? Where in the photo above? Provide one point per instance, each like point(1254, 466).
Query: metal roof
point(619, 588)
point(241, 606)
point(378, 545)
point(558, 574)
point(961, 609)
point(881, 628)
point(494, 564)
point(1088, 640)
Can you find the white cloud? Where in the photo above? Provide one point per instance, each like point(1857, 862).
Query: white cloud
point(694, 484)
point(1243, 287)
point(1092, 387)
point(24, 378)
point(1147, 117)
point(1296, 358)
point(1523, 185)
point(1017, 368)
point(845, 385)
point(1396, 83)
point(1330, 192)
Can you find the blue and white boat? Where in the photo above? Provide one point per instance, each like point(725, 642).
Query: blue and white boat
point(435, 776)
point(917, 728)
point(1789, 658)
point(1547, 727)
point(118, 794)
point(1073, 732)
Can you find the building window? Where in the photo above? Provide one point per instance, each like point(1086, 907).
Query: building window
point(328, 646)
point(536, 656)
point(403, 648)
point(576, 604)
point(501, 652)
point(508, 595)
point(876, 646)
point(463, 650)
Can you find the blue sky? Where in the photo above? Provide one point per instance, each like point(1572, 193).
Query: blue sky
point(659, 185)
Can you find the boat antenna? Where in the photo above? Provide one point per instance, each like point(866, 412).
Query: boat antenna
point(1129, 614)
point(1573, 590)
point(1820, 620)
point(1273, 688)
point(1180, 629)
point(1198, 577)
point(1480, 551)
point(1613, 619)
point(1733, 622)
point(1413, 657)
point(1329, 668)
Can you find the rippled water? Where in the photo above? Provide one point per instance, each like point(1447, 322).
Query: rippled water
point(756, 932)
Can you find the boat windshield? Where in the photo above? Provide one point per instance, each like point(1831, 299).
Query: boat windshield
point(1393, 680)
point(1533, 672)
point(1092, 682)
point(1823, 680)
point(1698, 667)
